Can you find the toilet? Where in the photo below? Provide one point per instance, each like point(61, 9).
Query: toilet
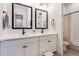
point(65, 44)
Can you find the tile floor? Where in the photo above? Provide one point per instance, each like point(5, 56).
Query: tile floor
point(71, 52)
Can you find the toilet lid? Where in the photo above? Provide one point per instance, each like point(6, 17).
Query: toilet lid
point(65, 43)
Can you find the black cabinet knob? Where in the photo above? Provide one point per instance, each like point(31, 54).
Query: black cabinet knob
point(49, 41)
point(25, 46)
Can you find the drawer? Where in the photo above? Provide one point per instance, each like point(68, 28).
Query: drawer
point(7, 43)
point(48, 37)
point(19, 41)
point(14, 42)
point(33, 39)
point(23, 40)
point(28, 40)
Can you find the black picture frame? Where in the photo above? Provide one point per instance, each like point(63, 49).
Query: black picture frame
point(36, 9)
point(13, 16)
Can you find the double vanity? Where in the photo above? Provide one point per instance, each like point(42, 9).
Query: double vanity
point(28, 45)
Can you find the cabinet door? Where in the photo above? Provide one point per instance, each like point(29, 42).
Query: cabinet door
point(13, 50)
point(34, 49)
point(0, 48)
point(52, 44)
point(47, 44)
point(43, 46)
point(25, 49)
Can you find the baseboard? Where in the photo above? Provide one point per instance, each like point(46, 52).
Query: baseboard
point(74, 47)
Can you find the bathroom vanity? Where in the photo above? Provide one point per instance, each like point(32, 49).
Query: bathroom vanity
point(28, 44)
point(33, 45)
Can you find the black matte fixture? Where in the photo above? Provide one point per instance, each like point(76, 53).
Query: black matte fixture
point(42, 31)
point(23, 32)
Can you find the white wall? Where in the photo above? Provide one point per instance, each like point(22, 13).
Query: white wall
point(54, 12)
point(51, 13)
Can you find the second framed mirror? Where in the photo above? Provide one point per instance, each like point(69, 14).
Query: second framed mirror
point(41, 19)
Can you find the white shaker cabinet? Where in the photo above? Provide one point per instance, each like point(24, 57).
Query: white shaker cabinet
point(52, 42)
point(21, 47)
point(25, 49)
point(13, 50)
point(32, 46)
point(48, 43)
point(43, 46)
point(34, 49)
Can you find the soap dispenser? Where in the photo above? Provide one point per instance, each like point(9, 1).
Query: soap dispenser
point(5, 20)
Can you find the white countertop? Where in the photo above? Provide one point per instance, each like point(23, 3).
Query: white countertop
point(14, 36)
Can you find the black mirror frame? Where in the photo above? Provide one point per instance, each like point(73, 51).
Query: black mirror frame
point(13, 16)
point(36, 19)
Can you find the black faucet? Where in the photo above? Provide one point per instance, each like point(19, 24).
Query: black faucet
point(42, 31)
point(23, 32)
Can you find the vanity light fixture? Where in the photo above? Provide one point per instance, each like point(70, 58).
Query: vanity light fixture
point(44, 4)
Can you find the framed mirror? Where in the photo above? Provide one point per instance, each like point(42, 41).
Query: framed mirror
point(41, 19)
point(21, 16)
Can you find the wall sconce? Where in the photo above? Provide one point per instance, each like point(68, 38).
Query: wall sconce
point(53, 22)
